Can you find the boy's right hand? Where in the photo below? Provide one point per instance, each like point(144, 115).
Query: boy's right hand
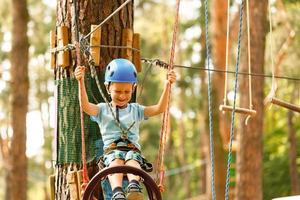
point(79, 72)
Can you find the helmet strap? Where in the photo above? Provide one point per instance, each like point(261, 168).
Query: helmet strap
point(134, 87)
point(107, 87)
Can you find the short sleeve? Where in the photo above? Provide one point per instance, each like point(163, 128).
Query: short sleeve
point(140, 112)
point(97, 118)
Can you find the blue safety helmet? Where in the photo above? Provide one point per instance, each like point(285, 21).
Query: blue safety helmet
point(120, 70)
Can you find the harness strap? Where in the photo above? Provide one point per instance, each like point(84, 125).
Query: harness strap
point(145, 165)
point(129, 147)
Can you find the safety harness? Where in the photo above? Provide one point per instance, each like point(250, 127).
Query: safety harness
point(124, 144)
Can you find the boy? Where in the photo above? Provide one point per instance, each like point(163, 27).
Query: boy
point(120, 129)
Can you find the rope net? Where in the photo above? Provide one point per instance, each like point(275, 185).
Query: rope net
point(69, 130)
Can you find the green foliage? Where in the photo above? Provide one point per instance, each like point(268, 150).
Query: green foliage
point(276, 161)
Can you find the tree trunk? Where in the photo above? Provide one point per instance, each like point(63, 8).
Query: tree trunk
point(220, 128)
point(88, 12)
point(292, 152)
point(205, 187)
point(17, 174)
point(249, 155)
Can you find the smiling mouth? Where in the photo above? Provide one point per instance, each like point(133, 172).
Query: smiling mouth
point(122, 102)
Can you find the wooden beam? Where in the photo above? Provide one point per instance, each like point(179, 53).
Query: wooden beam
point(137, 54)
point(52, 186)
point(95, 41)
point(73, 185)
point(284, 104)
point(127, 36)
point(245, 111)
point(63, 57)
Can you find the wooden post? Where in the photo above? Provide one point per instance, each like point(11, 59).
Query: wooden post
point(127, 35)
point(137, 54)
point(52, 186)
point(52, 46)
point(284, 104)
point(72, 182)
point(63, 57)
point(95, 41)
point(79, 180)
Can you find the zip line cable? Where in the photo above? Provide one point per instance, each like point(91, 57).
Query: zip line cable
point(162, 64)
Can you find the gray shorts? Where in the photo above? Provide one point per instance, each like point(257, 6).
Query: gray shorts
point(123, 155)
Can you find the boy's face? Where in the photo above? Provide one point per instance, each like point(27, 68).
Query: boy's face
point(120, 93)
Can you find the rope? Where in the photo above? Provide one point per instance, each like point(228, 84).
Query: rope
point(107, 18)
point(165, 65)
point(227, 46)
point(165, 123)
point(185, 168)
point(116, 47)
point(274, 83)
point(209, 94)
point(85, 176)
point(249, 57)
point(148, 70)
point(234, 102)
point(249, 62)
point(69, 47)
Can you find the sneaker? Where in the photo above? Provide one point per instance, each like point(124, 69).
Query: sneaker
point(134, 192)
point(118, 196)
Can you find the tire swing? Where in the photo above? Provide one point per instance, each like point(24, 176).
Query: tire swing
point(150, 185)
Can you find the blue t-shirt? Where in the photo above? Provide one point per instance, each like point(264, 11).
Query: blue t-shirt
point(109, 128)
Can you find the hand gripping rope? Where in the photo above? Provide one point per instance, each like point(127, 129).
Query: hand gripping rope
point(85, 176)
point(165, 123)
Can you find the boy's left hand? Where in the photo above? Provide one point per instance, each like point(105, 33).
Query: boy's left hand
point(171, 76)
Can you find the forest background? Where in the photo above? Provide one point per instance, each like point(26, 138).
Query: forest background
point(187, 161)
